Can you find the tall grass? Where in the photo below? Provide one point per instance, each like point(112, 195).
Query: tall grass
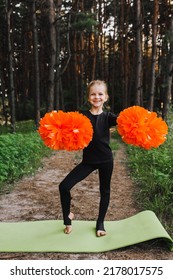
point(114, 144)
point(20, 153)
point(152, 170)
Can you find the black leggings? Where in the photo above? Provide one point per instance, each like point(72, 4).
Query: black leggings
point(79, 173)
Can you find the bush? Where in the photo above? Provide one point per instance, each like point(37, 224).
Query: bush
point(20, 154)
point(21, 127)
point(114, 141)
point(152, 170)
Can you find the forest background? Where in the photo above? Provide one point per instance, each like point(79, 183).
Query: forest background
point(51, 49)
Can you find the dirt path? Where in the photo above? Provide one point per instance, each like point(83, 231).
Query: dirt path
point(37, 198)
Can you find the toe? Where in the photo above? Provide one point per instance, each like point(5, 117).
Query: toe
point(100, 233)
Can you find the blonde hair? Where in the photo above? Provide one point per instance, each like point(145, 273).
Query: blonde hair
point(98, 82)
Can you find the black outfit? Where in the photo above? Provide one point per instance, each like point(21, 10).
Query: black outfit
point(97, 155)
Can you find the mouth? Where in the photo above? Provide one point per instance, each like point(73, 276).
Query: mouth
point(96, 101)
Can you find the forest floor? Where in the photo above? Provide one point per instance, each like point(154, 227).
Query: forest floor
point(37, 198)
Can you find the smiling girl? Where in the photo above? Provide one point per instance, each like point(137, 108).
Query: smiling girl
point(96, 156)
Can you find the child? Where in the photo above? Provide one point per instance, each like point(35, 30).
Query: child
point(97, 155)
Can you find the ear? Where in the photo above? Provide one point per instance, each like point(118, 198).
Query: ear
point(107, 98)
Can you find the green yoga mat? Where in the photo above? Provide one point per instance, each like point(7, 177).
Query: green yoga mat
point(48, 236)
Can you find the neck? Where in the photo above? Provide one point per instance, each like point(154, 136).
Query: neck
point(96, 111)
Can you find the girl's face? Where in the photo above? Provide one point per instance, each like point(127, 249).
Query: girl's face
point(97, 96)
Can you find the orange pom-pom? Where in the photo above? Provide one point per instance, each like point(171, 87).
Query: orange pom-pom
point(65, 131)
point(80, 132)
point(142, 128)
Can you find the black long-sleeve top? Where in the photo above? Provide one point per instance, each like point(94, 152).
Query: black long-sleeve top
point(98, 150)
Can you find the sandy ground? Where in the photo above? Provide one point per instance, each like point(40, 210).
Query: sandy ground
point(37, 198)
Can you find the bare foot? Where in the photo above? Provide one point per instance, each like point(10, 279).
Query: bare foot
point(100, 230)
point(68, 228)
point(100, 233)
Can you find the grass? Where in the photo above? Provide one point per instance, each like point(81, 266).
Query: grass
point(20, 153)
point(21, 127)
point(152, 171)
point(114, 141)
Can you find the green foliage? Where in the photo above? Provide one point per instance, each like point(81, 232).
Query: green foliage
point(114, 145)
point(153, 172)
point(20, 153)
point(84, 22)
point(114, 142)
point(21, 127)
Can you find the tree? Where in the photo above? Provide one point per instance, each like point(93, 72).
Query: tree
point(51, 55)
point(138, 86)
point(36, 65)
point(113, 58)
point(9, 11)
point(169, 72)
point(3, 62)
point(58, 48)
point(52, 50)
point(154, 54)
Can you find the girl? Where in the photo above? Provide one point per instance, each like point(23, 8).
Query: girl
point(97, 155)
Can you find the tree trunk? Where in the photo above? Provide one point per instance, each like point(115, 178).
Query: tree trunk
point(52, 48)
point(113, 62)
point(9, 10)
point(3, 95)
point(168, 95)
point(122, 49)
point(82, 72)
point(95, 49)
point(126, 59)
point(154, 54)
point(138, 89)
point(58, 47)
point(36, 65)
point(76, 70)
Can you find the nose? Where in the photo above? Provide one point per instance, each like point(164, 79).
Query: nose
point(97, 96)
